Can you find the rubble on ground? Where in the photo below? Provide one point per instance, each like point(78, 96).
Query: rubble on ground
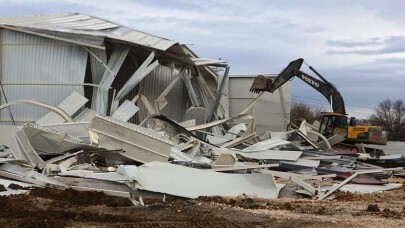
point(168, 160)
point(142, 122)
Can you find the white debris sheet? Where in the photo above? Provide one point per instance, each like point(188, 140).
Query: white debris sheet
point(71, 104)
point(121, 175)
point(191, 183)
point(46, 141)
point(22, 149)
point(271, 155)
point(6, 183)
point(139, 143)
point(364, 188)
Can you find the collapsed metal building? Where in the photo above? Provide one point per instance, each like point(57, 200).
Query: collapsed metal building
point(119, 70)
point(106, 81)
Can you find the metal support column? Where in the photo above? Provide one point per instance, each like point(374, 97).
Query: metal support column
point(219, 95)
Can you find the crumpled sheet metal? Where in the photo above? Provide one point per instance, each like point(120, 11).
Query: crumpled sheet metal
point(366, 188)
point(123, 174)
point(109, 176)
point(21, 149)
point(19, 173)
point(78, 129)
point(266, 145)
point(191, 183)
point(140, 144)
point(271, 155)
point(304, 162)
point(281, 155)
point(6, 183)
point(47, 141)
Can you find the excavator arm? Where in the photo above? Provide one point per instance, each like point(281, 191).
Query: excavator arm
point(327, 89)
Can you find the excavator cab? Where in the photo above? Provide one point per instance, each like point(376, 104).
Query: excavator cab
point(333, 123)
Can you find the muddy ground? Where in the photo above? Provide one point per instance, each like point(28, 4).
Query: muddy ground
point(70, 208)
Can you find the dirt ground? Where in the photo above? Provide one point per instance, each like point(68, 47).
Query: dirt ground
point(70, 208)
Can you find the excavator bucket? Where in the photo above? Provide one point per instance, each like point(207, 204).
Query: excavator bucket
point(261, 83)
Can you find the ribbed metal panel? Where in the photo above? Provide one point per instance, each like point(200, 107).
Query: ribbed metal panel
point(89, 25)
point(71, 21)
point(42, 61)
point(125, 111)
point(154, 84)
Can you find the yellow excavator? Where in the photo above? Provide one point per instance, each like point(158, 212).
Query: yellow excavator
point(332, 123)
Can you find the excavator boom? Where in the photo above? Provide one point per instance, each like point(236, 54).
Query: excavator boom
point(262, 83)
point(327, 89)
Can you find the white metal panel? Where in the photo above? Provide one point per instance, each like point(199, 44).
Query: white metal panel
point(204, 61)
point(304, 162)
point(7, 132)
point(367, 189)
point(22, 149)
point(125, 111)
point(140, 144)
point(78, 129)
point(70, 105)
point(43, 61)
point(192, 183)
point(271, 155)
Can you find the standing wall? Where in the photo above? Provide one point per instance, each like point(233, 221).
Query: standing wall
point(31, 68)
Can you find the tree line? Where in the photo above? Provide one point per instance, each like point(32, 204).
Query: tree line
point(389, 115)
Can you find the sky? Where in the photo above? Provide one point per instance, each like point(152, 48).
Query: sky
point(357, 45)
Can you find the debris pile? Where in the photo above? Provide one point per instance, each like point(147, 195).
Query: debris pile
point(164, 159)
point(142, 117)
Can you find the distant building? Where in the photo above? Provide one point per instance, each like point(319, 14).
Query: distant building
point(267, 111)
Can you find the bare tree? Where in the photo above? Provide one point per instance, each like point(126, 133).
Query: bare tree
point(301, 110)
point(391, 117)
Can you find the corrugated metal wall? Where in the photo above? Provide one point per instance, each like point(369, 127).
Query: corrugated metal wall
point(28, 59)
point(154, 84)
point(267, 111)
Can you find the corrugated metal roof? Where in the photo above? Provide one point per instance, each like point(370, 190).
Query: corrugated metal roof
point(77, 23)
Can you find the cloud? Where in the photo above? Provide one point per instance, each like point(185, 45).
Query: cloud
point(391, 10)
point(390, 45)
point(354, 43)
point(342, 39)
point(361, 85)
